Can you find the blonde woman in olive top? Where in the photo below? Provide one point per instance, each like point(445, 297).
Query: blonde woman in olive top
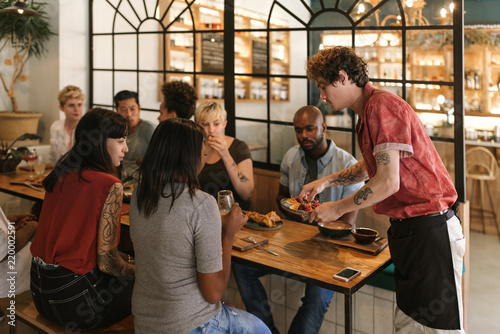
point(228, 162)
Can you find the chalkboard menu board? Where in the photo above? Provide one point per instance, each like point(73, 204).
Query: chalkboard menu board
point(212, 52)
point(259, 57)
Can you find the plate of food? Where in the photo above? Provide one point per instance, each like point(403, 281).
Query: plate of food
point(268, 222)
point(298, 206)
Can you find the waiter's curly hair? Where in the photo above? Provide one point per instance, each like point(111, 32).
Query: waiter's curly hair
point(328, 63)
point(180, 97)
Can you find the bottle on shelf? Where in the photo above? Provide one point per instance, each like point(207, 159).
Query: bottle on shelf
point(477, 79)
point(469, 78)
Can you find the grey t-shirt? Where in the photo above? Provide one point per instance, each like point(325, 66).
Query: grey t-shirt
point(170, 248)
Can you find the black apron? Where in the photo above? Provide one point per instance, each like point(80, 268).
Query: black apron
point(424, 275)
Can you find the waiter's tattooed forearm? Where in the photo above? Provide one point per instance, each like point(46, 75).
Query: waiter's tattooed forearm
point(383, 159)
point(362, 195)
point(351, 175)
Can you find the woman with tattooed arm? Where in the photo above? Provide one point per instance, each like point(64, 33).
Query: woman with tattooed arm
point(78, 277)
point(408, 182)
point(228, 162)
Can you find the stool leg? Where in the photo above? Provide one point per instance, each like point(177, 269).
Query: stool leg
point(493, 209)
point(472, 196)
point(481, 190)
point(13, 329)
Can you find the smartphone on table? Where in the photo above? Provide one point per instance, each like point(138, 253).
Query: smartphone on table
point(347, 274)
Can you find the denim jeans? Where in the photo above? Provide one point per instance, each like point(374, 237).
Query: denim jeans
point(310, 315)
point(78, 301)
point(234, 321)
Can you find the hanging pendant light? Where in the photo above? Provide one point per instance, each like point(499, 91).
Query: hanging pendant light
point(19, 8)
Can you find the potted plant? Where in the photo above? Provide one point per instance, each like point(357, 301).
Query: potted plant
point(21, 37)
point(10, 157)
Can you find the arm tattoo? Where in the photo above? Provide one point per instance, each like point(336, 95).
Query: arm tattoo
point(362, 195)
point(110, 214)
point(351, 175)
point(107, 261)
point(241, 176)
point(383, 159)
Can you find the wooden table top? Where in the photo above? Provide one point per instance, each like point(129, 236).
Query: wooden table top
point(300, 257)
point(34, 195)
point(306, 260)
point(309, 261)
point(20, 190)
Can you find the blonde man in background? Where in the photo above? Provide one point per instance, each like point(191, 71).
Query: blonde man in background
point(62, 132)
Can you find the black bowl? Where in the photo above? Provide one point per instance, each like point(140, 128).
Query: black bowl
point(364, 235)
point(335, 229)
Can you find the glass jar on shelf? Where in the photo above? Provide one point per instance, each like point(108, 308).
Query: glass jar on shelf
point(284, 93)
point(219, 90)
point(263, 92)
point(276, 92)
point(256, 91)
point(239, 89)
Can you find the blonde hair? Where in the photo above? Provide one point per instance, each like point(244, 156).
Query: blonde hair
point(212, 109)
point(69, 92)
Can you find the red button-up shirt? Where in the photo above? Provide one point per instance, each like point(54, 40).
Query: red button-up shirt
point(388, 123)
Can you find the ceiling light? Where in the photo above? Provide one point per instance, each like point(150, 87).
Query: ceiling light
point(19, 8)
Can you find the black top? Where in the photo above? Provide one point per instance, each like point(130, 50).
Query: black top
point(214, 177)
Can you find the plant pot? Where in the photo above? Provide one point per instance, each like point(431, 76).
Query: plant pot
point(7, 166)
point(12, 125)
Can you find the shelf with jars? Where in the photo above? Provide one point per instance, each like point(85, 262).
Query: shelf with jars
point(383, 54)
point(250, 52)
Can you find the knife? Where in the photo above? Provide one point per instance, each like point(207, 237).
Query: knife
point(27, 184)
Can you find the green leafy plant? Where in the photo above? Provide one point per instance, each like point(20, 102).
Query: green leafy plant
point(25, 36)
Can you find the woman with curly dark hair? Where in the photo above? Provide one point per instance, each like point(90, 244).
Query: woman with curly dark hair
point(179, 100)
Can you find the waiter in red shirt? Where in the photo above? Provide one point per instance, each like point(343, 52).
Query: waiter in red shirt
point(408, 182)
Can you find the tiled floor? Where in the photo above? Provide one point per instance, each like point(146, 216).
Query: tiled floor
point(484, 287)
point(484, 284)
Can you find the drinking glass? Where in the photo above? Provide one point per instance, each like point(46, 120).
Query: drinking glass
point(30, 156)
point(39, 166)
point(225, 200)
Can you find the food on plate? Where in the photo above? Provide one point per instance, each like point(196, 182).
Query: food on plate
point(268, 220)
point(298, 204)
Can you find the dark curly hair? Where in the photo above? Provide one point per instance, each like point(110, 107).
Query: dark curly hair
point(328, 63)
point(180, 97)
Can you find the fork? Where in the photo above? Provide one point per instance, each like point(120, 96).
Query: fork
point(267, 250)
point(27, 184)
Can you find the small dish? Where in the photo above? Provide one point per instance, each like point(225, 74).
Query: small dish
point(255, 226)
point(364, 235)
point(287, 207)
point(335, 229)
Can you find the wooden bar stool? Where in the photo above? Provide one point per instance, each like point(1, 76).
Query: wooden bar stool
point(482, 167)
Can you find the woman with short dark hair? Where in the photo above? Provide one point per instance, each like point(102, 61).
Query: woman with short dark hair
point(78, 277)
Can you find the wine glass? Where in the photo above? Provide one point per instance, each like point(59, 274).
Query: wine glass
point(30, 156)
point(225, 200)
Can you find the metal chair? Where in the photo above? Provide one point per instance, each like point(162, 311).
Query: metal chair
point(482, 167)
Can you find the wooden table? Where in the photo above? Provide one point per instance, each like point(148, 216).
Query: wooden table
point(300, 257)
point(26, 192)
point(19, 190)
point(311, 262)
